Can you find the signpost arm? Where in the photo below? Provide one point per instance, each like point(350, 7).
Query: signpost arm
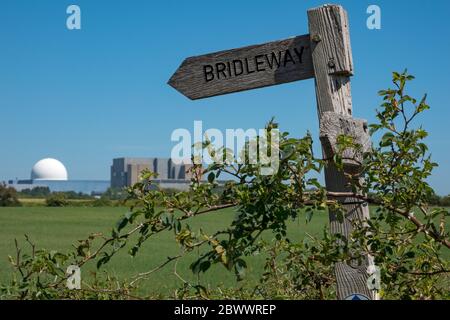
point(333, 66)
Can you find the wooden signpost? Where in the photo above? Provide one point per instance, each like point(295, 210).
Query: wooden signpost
point(325, 55)
point(245, 68)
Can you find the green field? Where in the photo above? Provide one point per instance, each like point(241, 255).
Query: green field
point(59, 228)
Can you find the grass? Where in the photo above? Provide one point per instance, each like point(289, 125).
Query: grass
point(59, 228)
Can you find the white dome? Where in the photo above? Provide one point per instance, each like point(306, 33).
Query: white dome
point(48, 169)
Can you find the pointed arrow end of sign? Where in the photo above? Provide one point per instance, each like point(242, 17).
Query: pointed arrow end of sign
point(173, 81)
point(176, 81)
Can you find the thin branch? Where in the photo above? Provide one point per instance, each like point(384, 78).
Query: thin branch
point(118, 291)
point(126, 235)
point(420, 226)
point(213, 208)
point(432, 273)
point(143, 275)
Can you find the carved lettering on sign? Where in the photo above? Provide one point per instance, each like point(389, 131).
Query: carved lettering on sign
point(258, 63)
point(245, 68)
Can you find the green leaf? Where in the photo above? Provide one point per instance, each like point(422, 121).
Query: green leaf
point(309, 214)
point(240, 268)
point(201, 265)
point(105, 259)
point(387, 138)
point(121, 223)
point(204, 266)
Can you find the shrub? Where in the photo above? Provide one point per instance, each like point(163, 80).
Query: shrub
point(115, 194)
point(102, 202)
point(445, 201)
point(36, 192)
point(8, 197)
point(56, 200)
point(407, 239)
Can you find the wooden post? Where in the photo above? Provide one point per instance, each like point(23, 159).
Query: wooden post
point(324, 54)
point(333, 66)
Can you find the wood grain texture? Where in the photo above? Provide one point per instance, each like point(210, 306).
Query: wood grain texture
point(332, 60)
point(333, 125)
point(244, 68)
point(333, 66)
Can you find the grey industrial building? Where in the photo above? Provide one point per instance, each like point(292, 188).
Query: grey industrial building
point(126, 171)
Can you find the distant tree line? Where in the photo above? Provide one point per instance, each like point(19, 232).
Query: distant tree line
point(63, 199)
point(44, 192)
point(9, 197)
point(115, 194)
point(434, 200)
point(439, 201)
point(36, 192)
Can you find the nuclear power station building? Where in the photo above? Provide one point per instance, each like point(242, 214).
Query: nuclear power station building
point(51, 173)
point(126, 171)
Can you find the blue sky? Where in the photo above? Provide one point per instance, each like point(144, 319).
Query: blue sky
point(87, 96)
